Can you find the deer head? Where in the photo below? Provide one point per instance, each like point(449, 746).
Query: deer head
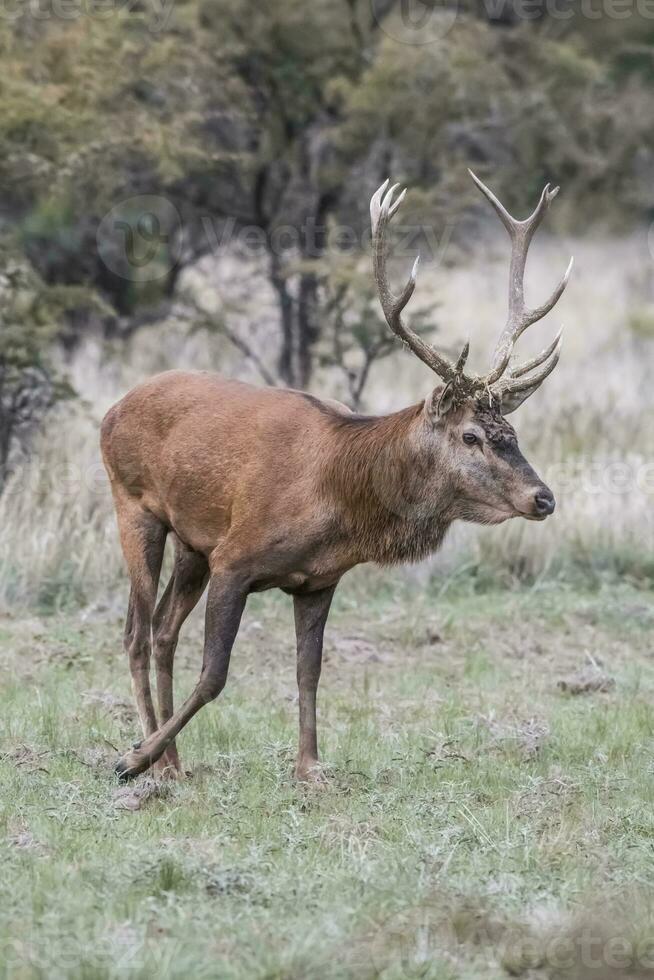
point(463, 426)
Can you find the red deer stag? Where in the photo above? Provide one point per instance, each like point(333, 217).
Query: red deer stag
point(266, 488)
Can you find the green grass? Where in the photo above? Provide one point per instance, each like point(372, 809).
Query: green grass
point(479, 822)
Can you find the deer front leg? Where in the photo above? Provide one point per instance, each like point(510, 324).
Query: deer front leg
point(310, 617)
point(225, 604)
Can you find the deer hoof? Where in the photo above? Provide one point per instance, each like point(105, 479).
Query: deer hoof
point(131, 765)
point(312, 775)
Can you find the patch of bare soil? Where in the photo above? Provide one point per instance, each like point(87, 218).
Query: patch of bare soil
point(521, 642)
point(354, 648)
point(136, 795)
point(588, 679)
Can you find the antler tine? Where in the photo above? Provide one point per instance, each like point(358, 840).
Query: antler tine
point(512, 392)
point(519, 315)
point(507, 220)
point(522, 318)
point(514, 225)
point(512, 385)
point(375, 205)
point(382, 209)
point(530, 224)
point(540, 311)
point(463, 357)
point(534, 362)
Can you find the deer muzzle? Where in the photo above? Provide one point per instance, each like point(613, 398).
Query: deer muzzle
point(543, 504)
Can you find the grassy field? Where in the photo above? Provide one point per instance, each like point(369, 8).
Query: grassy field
point(489, 809)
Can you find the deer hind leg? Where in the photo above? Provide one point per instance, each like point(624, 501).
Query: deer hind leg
point(186, 585)
point(311, 612)
point(143, 538)
point(225, 604)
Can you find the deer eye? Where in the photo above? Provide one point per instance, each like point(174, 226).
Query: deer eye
point(470, 438)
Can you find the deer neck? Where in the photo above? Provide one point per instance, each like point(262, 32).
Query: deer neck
point(390, 499)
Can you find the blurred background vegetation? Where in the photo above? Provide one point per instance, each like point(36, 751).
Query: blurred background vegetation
point(153, 158)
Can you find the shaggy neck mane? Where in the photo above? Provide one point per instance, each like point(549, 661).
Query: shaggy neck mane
point(376, 478)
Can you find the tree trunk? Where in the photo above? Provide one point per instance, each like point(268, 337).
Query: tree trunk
point(286, 361)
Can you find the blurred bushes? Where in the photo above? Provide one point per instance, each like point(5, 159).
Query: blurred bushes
point(290, 114)
point(31, 314)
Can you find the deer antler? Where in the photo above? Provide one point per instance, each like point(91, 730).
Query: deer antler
point(512, 388)
point(520, 315)
point(382, 209)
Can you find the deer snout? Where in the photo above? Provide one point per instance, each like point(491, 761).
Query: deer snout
point(544, 502)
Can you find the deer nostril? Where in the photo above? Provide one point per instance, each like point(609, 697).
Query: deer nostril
point(544, 502)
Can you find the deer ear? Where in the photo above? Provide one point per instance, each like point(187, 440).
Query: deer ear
point(439, 403)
